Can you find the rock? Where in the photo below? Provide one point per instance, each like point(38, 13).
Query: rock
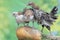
point(50, 37)
point(28, 33)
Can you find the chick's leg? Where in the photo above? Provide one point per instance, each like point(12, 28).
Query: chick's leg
point(42, 28)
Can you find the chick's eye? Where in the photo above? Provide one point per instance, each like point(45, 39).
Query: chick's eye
point(13, 14)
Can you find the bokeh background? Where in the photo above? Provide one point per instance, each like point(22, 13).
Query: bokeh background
point(8, 24)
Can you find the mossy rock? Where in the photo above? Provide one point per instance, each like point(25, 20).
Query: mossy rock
point(28, 33)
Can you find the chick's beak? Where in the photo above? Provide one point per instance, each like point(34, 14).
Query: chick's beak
point(13, 14)
point(28, 4)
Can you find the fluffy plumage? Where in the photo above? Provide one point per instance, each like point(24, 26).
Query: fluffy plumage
point(23, 18)
point(44, 18)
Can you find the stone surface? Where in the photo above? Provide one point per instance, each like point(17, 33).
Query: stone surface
point(28, 33)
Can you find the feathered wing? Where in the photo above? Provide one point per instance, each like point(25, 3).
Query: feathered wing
point(54, 12)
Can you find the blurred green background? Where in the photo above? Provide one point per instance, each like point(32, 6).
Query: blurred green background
point(8, 24)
